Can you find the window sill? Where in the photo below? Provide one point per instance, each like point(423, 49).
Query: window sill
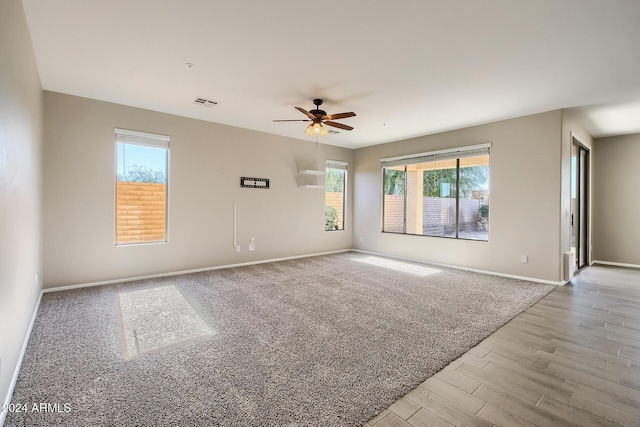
point(159, 242)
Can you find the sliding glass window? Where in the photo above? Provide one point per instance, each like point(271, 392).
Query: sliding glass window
point(442, 193)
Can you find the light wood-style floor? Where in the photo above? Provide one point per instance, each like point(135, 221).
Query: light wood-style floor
point(573, 359)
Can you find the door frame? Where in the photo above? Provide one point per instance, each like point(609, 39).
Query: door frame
point(584, 230)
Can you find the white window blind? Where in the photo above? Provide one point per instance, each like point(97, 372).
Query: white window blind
point(455, 153)
point(126, 136)
point(337, 164)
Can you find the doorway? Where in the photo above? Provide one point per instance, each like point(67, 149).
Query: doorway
point(579, 204)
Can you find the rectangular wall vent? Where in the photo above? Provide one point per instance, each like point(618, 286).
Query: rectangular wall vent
point(205, 102)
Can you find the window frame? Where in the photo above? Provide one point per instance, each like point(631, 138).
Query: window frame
point(451, 154)
point(145, 139)
point(343, 166)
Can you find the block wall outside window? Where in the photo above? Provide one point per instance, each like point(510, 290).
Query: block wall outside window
point(141, 212)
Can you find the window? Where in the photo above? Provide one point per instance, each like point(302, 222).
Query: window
point(142, 161)
point(335, 185)
point(443, 193)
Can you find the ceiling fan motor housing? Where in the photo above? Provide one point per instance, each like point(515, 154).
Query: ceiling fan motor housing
point(318, 112)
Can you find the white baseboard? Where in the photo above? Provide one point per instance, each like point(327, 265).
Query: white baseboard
point(475, 270)
point(616, 264)
point(219, 267)
point(177, 273)
point(16, 371)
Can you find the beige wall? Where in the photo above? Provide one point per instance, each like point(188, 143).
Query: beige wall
point(616, 200)
point(20, 189)
point(206, 163)
point(525, 199)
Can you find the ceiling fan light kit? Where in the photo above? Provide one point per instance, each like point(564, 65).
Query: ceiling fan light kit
point(318, 117)
point(316, 129)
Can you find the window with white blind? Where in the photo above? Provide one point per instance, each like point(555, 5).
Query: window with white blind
point(441, 193)
point(142, 168)
point(335, 185)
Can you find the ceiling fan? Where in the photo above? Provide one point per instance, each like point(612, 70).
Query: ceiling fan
point(319, 117)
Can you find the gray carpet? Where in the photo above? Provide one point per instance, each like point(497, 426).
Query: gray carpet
point(322, 341)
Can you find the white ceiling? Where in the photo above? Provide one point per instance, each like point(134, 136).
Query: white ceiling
point(407, 68)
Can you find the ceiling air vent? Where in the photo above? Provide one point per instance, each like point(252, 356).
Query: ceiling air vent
point(205, 102)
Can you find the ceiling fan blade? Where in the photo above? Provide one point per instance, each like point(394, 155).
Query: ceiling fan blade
point(339, 116)
point(305, 112)
point(296, 120)
point(338, 125)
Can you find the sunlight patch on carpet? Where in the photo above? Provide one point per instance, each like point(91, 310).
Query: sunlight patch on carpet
point(405, 267)
point(152, 319)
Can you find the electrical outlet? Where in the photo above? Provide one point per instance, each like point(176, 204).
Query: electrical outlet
point(524, 259)
point(238, 248)
point(252, 244)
